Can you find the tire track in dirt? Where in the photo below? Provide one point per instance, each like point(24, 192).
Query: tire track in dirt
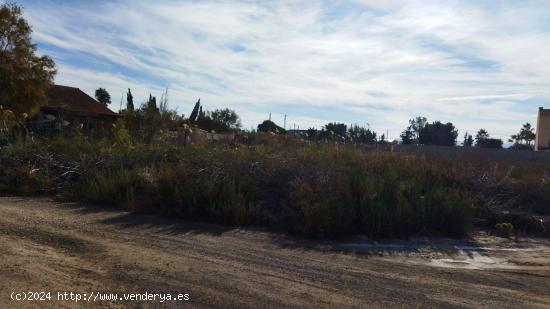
point(73, 246)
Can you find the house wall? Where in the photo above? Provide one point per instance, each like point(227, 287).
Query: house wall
point(542, 141)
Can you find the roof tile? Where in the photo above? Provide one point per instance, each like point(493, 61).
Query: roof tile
point(75, 101)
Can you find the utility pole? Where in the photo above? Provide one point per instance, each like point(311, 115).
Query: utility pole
point(269, 116)
point(284, 126)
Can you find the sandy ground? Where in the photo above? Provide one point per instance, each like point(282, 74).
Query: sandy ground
point(48, 246)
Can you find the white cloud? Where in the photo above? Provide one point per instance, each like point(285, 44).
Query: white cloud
point(380, 62)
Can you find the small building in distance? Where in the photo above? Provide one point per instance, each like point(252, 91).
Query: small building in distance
point(542, 140)
point(71, 107)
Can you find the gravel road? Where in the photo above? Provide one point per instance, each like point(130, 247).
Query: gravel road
point(50, 246)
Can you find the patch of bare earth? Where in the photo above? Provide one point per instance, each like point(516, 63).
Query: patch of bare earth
point(49, 246)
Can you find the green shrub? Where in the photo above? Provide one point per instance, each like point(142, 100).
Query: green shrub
point(317, 190)
point(117, 188)
point(504, 228)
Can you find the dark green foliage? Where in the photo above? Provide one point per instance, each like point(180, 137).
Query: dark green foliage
point(24, 76)
point(338, 129)
point(150, 107)
point(116, 187)
point(150, 120)
point(361, 135)
point(407, 137)
point(195, 113)
point(270, 126)
point(411, 135)
point(226, 118)
point(468, 140)
point(220, 120)
point(311, 133)
point(437, 133)
point(484, 141)
point(524, 139)
point(380, 197)
point(481, 135)
point(340, 132)
point(129, 101)
point(490, 143)
point(102, 96)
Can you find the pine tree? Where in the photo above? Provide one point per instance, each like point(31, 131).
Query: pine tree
point(102, 96)
point(468, 140)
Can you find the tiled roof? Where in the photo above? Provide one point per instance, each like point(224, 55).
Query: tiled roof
point(75, 101)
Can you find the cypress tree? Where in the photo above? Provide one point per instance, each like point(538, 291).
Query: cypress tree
point(129, 101)
point(195, 112)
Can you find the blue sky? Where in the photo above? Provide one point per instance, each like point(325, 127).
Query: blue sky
point(478, 64)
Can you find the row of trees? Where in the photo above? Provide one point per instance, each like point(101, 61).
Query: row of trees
point(330, 131)
point(482, 140)
point(152, 116)
point(524, 139)
point(219, 120)
point(420, 131)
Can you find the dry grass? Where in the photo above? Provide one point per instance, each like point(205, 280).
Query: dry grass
point(312, 190)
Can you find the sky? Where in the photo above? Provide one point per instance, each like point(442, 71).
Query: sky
point(477, 64)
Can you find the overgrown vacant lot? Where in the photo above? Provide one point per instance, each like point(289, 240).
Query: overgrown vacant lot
point(51, 246)
point(313, 190)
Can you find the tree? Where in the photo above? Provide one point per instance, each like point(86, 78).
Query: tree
point(339, 129)
point(311, 133)
point(528, 134)
point(490, 143)
point(411, 134)
point(524, 138)
point(129, 101)
point(24, 76)
point(468, 140)
point(437, 133)
point(361, 135)
point(407, 137)
point(226, 118)
point(481, 135)
point(150, 107)
point(483, 140)
point(270, 126)
point(195, 113)
point(102, 96)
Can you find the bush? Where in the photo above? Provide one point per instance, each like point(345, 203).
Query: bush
point(505, 229)
point(318, 190)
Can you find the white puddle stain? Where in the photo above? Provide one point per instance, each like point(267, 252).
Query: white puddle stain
point(465, 257)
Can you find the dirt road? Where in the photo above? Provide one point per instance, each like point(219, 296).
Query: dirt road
point(47, 246)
